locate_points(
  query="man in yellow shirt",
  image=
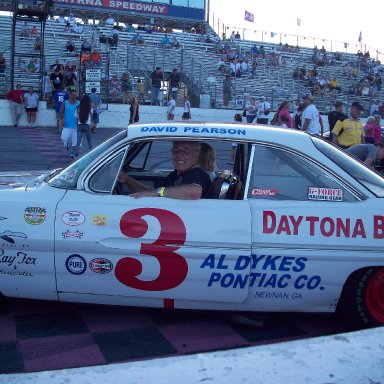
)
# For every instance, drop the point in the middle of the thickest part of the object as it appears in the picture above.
(350, 131)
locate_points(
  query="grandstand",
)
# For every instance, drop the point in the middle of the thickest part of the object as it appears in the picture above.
(195, 58)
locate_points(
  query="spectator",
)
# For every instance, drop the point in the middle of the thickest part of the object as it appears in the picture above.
(25, 31)
(166, 42)
(126, 87)
(138, 39)
(299, 115)
(237, 35)
(310, 118)
(368, 130)
(263, 109)
(377, 82)
(244, 66)
(70, 80)
(235, 68)
(317, 90)
(84, 124)
(334, 84)
(174, 83)
(134, 111)
(68, 28)
(31, 67)
(86, 46)
(155, 80)
(187, 109)
(130, 28)
(78, 28)
(22, 65)
(70, 45)
(377, 129)
(350, 131)
(171, 106)
(110, 21)
(262, 51)
(68, 123)
(34, 31)
(175, 43)
(251, 110)
(58, 98)
(37, 45)
(221, 65)
(374, 109)
(96, 108)
(253, 68)
(115, 87)
(114, 37)
(31, 102)
(335, 116)
(46, 87)
(16, 100)
(227, 90)
(71, 20)
(61, 19)
(283, 111)
(95, 59)
(57, 79)
(368, 153)
(3, 63)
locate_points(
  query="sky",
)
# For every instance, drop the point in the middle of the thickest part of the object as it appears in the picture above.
(338, 20)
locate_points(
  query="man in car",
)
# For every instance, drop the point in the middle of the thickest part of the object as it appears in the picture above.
(368, 153)
(188, 181)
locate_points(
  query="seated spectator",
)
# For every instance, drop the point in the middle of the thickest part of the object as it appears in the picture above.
(78, 28)
(130, 28)
(334, 84)
(166, 42)
(317, 90)
(85, 57)
(22, 65)
(138, 39)
(175, 43)
(70, 80)
(37, 45)
(34, 31)
(68, 28)
(377, 129)
(254, 50)
(86, 46)
(70, 45)
(110, 21)
(61, 20)
(115, 87)
(253, 68)
(377, 82)
(368, 130)
(374, 110)
(354, 71)
(149, 29)
(31, 67)
(235, 68)
(25, 31)
(262, 51)
(71, 20)
(221, 65)
(95, 59)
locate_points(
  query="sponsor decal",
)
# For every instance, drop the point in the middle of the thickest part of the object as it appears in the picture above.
(73, 218)
(72, 234)
(100, 265)
(99, 220)
(325, 194)
(8, 236)
(76, 264)
(196, 130)
(264, 192)
(34, 215)
(10, 263)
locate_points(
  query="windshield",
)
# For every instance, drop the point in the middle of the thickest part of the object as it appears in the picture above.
(67, 177)
(369, 179)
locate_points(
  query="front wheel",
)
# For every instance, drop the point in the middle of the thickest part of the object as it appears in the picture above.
(362, 300)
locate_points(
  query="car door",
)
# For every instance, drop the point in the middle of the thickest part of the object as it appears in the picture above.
(309, 231)
(150, 251)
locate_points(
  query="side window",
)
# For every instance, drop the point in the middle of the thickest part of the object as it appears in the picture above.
(278, 174)
(104, 178)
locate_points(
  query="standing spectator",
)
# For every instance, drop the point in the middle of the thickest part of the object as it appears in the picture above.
(141, 90)
(68, 28)
(368, 130)
(114, 37)
(227, 90)
(251, 110)
(34, 31)
(155, 81)
(3, 63)
(31, 102)
(58, 98)
(78, 28)
(263, 110)
(57, 79)
(83, 127)
(335, 116)
(110, 21)
(134, 111)
(126, 87)
(15, 98)
(374, 110)
(37, 45)
(71, 20)
(70, 45)
(350, 131)
(174, 84)
(46, 87)
(299, 115)
(68, 123)
(378, 82)
(95, 104)
(25, 31)
(86, 46)
(171, 106)
(283, 110)
(187, 109)
(310, 118)
(377, 129)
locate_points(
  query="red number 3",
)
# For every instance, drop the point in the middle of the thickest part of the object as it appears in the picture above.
(173, 267)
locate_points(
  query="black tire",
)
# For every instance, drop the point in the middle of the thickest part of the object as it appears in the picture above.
(362, 299)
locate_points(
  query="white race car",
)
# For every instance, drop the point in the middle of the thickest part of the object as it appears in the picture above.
(290, 224)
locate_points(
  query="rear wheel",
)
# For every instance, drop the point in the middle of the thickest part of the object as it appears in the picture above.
(362, 301)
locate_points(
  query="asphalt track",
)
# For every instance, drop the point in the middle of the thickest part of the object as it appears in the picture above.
(38, 335)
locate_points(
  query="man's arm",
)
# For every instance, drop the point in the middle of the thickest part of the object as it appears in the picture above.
(306, 124)
(183, 192)
(61, 116)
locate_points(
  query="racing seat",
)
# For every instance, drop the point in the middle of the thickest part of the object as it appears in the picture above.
(224, 187)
